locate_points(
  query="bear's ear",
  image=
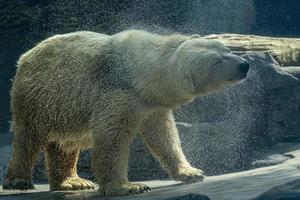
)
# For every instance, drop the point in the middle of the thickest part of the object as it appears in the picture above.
(194, 36)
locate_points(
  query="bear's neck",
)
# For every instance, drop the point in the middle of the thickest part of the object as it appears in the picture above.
(158, 81)
(148, 56)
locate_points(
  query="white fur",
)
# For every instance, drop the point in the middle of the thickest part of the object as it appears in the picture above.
(85, 89)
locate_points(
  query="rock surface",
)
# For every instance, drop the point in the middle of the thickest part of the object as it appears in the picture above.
(285, 50)
(287, 191)
(247, 185)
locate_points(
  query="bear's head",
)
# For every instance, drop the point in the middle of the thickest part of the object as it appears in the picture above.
(207, 66)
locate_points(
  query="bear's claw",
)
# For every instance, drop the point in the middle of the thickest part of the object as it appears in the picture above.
(75, 183)
(123, 189)
(189, 175)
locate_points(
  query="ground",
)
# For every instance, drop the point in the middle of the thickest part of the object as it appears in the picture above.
(244, 185)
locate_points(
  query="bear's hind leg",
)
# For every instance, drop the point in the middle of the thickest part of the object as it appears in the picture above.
(62, 170)
(25, 151)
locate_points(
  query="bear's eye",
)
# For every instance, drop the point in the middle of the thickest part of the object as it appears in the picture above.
(227, 50)
(219, 61)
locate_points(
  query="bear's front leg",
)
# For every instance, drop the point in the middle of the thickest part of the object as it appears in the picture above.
(113, 130)
(161, 137)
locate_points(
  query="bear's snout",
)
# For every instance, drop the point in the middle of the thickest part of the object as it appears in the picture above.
(244, 67)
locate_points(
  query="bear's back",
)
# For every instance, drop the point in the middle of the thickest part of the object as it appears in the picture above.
(55, 77)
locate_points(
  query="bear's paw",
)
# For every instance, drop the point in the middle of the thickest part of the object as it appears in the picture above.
(123, 189)
(18, 184)
(188, 174)
(75, 183)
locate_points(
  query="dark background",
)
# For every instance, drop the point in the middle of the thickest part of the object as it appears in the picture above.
(24, 23)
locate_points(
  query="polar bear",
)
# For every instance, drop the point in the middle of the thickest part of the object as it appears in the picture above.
(89, 90)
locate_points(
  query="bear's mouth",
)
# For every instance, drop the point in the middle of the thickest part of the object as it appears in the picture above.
(239, 77)
(234, 80)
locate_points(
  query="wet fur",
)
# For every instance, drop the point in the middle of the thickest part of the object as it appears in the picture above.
(89, 90)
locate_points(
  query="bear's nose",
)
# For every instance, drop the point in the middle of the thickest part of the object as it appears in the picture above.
(244, 67)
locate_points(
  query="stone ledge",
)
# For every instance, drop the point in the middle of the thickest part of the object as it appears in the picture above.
(244, 185)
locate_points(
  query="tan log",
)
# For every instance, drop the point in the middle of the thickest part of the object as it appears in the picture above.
(285, 50)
